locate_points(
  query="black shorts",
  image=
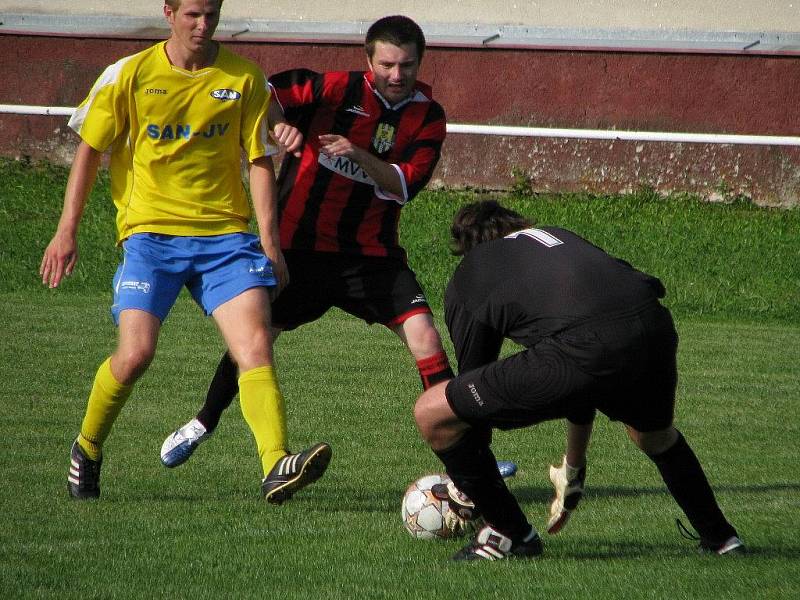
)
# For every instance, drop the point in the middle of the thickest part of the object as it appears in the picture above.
(374, 289)
(625, 367)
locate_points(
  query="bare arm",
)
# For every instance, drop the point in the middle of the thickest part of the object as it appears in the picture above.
(382, 173)
(61, 253)
(289, 137)
(265, 205)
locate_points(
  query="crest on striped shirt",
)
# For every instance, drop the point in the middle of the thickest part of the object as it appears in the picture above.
(384, 138)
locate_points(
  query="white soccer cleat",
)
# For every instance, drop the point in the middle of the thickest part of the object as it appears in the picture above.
(181, 444)
(490, 544)
(568, 485)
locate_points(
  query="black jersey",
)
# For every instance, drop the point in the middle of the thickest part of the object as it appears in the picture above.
(534, 284)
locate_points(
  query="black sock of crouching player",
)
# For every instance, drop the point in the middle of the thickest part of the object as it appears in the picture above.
(434, 369)
(687, 483)
(471, 465)
(223, 389)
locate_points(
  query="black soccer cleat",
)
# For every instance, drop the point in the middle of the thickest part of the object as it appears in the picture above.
(293, 472)
(732, 546)
(490, 544)
(83, 481)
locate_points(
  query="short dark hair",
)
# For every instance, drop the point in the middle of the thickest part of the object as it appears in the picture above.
(481, 222)
(397, 30)
(176, 4)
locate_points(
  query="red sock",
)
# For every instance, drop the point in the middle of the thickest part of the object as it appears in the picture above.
(434, 369)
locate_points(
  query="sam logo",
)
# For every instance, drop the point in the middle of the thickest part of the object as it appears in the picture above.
(225, 94)
(384, 138)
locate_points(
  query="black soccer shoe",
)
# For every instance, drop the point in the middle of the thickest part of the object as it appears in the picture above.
(490, 544)
(732, 546)
(83, 481)
(294, 472)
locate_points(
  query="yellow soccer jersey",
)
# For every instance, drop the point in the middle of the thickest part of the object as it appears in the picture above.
(176, 140)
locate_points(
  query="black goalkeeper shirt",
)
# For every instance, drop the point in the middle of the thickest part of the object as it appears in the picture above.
(534, 284)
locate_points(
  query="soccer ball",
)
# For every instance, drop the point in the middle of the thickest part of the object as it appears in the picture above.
(424, 514)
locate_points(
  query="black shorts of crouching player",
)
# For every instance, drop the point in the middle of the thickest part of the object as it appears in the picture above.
(374, 289)
(623, 365)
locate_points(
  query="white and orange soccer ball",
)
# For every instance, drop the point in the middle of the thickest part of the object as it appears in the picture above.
(424, 515)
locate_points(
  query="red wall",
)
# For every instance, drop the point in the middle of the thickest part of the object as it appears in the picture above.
(576, 89)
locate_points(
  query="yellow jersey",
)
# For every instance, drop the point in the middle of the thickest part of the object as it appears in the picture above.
(176, 140)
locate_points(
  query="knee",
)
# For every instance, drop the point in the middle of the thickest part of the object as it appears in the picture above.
(653, 443)
(422, 417)
(437, 423)
(129, 364)
(420, 335)
(253, 351)
(425, 416)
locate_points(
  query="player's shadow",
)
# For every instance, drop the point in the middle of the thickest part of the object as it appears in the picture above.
(534, 494)
(364, 500)
(606, 550)
(632, 549)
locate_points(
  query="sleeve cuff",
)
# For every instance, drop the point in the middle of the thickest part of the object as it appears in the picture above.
(384, 195)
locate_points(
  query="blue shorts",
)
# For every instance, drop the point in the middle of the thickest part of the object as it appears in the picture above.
(214, 269)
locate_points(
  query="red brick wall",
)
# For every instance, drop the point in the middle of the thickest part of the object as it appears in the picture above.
(575, 89)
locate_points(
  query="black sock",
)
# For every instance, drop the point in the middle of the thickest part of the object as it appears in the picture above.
(687, 483)
(223, 389)
(473, 468)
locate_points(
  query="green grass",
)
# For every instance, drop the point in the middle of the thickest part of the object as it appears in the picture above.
(716, 260)
(201, 530)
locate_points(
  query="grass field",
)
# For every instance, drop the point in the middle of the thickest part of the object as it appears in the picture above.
(200, 531)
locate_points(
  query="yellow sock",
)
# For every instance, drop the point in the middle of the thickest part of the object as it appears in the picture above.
(106, 399)
(262, 406)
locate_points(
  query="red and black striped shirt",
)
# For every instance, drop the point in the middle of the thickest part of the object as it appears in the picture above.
(331, 204)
